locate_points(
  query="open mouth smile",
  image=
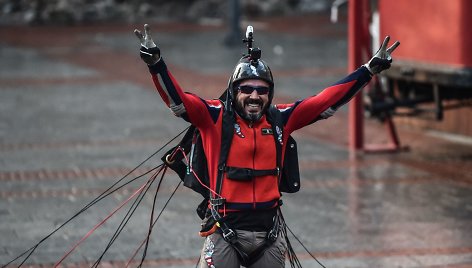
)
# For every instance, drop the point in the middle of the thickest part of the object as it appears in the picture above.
(253, 107)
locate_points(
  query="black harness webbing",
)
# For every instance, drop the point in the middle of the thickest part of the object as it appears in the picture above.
(275, 119)
(230, 235)
(289, 178)
(245, 174)
(227, 130)
(247, 259)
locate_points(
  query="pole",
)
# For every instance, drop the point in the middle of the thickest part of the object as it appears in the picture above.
(355, 36)
(234, 16)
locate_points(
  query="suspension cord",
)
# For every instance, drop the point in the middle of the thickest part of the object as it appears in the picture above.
(193, 171)
(89, 233)
(292, 256)
(294, 262)
(128, 216)
(155, 221)
(93, 202)
(104, 194)
(152, 218)
(299, 241)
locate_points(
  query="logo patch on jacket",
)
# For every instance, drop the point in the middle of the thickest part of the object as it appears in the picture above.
(267, 131)
(237, 129)
(279, 135)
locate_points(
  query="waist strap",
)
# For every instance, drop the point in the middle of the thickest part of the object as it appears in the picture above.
(249, 206)
(243, 174)
(230, 235)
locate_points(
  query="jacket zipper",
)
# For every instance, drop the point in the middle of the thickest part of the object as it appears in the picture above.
(253, 167)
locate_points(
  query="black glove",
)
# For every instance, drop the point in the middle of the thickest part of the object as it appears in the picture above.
(382, 58)
(149, 52)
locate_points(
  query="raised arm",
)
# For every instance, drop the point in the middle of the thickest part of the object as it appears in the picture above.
(188, 106)
(326, 103)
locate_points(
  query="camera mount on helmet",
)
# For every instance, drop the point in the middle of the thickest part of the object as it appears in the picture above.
(250, 66)
(253, 53)
(249, 38)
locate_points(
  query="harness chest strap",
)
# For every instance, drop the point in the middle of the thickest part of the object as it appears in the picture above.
(274, 117)
(239, 173)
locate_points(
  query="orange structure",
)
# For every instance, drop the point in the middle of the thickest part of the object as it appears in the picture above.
(432, 31)
(432, 73)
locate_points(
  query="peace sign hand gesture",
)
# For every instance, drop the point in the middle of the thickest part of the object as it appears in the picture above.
(149, 51)
(382, 58)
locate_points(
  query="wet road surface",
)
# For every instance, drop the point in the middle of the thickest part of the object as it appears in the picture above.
(79, 111)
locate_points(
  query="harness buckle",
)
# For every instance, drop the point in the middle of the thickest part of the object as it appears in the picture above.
(170, 159)
(229, 235)
(273, 234)
(216, 202)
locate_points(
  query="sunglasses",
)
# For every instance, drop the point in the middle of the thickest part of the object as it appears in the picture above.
(250, 89)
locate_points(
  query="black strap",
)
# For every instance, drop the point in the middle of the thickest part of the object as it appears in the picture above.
(273, 234)
(248, 259)
(227, 131)
(229, 235)
(275, 118)
(226, 139)
(244, 174)
(250, 206)
(289, 178)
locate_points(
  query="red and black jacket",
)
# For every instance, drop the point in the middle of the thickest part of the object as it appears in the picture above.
(252, 145)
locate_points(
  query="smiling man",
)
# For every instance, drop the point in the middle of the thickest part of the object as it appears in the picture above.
(252, 99)
(244, 138)
(253, 85)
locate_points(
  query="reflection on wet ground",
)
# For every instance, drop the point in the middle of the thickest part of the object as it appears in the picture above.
(78, 111)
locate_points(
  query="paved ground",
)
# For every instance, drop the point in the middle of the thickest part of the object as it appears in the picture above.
(78, 112)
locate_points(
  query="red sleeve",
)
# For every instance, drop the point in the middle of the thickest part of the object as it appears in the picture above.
(186, 105)
(323, 105)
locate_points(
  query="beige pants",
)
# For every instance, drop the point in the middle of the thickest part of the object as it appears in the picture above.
(217, 253)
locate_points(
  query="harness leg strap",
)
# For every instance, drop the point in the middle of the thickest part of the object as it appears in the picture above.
(248, 259)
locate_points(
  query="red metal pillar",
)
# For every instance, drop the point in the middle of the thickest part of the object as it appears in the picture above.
(355, 42)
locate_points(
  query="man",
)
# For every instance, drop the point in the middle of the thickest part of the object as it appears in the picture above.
(243, 181)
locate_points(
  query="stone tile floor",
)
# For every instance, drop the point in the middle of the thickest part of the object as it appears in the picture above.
(78, 112)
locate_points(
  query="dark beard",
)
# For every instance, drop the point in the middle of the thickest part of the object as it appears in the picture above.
(253, 117)
(248, 116)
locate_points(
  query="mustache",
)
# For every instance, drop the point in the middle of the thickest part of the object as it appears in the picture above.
(253, 101)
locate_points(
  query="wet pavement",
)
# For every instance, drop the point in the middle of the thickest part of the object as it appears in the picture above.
(79, 111)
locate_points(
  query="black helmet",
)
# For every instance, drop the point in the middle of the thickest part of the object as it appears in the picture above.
(251, 68)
